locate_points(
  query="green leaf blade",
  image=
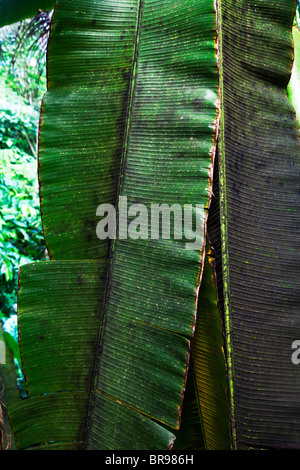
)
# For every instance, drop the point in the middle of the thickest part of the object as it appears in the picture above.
(259, 202)
(210, 363)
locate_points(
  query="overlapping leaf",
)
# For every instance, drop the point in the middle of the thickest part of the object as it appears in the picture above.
(259, 203)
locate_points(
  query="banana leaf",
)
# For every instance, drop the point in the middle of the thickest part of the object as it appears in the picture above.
(207, 352)
(205, 412)
(258, 206)
(105, 326)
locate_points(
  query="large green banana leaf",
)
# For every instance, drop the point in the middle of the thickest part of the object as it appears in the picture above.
(104, 328)
(258, 201)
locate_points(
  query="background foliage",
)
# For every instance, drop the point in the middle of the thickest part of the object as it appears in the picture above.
(22, 85)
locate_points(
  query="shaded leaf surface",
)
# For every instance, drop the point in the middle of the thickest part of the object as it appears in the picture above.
(259, 205)
(208, 358)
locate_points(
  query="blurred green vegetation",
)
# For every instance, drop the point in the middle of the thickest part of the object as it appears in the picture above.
(23, 57)
(22, 85)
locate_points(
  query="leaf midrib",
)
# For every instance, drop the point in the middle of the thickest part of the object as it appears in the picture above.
(123, 160)
(223, 226)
